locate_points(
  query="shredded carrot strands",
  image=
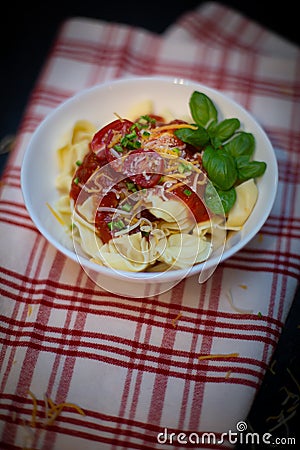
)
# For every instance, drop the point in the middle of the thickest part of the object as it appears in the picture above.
(221, 356)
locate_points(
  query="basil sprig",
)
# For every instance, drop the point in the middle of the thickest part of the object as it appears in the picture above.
(226, 151)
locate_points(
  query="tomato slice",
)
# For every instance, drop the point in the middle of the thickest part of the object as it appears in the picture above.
(105, 135)
(103, 218)
(144, 167)
(157, 120)
(193, 201)
(90, 164)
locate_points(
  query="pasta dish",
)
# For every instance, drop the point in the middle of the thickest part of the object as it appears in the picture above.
(145, 193)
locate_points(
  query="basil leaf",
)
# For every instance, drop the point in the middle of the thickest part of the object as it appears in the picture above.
(242, 144)
(202, 109)
(226, 129)
(228, 199)
(221, 169)
(211, 127)
(198, 137)
(249, 169)
(207, 154)
(218, 201)
(216, 142)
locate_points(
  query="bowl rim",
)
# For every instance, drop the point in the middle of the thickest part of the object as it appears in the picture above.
(144, 276)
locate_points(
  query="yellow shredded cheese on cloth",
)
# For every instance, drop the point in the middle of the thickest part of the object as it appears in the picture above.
(52, 410)
(174, 321)
(219, 356)
(55, 411)
(34, 409)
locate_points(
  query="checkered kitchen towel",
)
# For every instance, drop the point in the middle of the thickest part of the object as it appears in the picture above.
(127, 363)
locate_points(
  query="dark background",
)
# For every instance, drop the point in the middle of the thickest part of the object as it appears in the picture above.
(29, 27)
(27, 33)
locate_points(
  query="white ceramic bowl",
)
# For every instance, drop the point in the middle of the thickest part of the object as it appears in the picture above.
(98, 104)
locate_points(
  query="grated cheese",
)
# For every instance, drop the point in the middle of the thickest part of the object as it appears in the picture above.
(174, 321)
(118, 116)
(34, 409)
(174, 126)
(271, 368)
(176, 175)
(243, 286)
(56, 215)
(175, 185)
(166, 152)
(55, 411)
(260, 237)
(52, 410)
(221, 356)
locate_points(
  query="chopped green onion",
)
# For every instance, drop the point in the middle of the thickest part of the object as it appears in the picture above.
(137, 126)
(187, 192)
(131, 186)
(148, 119)
(116, 225)
(76, 180)
(129, 141)
(133, 126)
(144, 121)
(124, 141)
(132, 145)
(118, 148)
(184, 168)
(78, 163)
(136, 144)
(126, 207)
(131, 135)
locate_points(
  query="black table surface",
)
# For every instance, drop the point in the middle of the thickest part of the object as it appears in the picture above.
(27, 33)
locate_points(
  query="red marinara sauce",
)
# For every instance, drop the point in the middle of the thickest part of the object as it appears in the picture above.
(100, 154)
